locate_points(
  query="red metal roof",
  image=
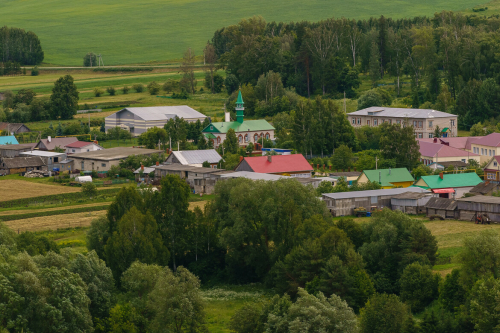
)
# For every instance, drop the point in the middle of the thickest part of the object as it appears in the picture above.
(432, 149)
(78, 144)
(279, 163)
(491, 140)
(444, 190)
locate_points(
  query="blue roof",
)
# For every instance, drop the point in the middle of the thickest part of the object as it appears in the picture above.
(8, 140)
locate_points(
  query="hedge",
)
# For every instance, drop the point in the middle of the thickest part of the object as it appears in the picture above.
(5, 218)
(54, 197)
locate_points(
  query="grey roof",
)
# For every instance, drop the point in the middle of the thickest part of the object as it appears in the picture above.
(373, 193)
(189, 168)
(146, 169)
(196, 156)
(383, 111)
(441, 203)
(116, 153)
(411, 195)
(21, 146)
(253, 175)
(165, 112)
(482, 199)
(22, 162)
(345, 174)
(483, 188)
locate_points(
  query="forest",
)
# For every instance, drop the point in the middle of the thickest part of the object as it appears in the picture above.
(450, 60)
(19, 46)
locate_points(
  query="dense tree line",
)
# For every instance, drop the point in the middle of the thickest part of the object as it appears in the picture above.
(447, 57)
(19, 46)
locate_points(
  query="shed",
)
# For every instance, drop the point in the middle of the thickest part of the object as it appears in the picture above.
(52, 159)
(22, 164)
(195, 157)
(411, 202)
(15, 128)
(14, 150)
(344, 203)
(446, 208)
(469, 207)
(486, 188)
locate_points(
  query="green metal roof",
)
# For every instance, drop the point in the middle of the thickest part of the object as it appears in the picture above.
(452, 180)
(240, 99)
(245, 126)
(209, 136)
(445, 130)
(389, 176)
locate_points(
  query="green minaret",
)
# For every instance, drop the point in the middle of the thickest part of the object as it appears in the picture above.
(239, 108)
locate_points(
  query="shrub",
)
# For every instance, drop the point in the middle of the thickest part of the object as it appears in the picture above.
(35, 71)
(170, 86)
(111, 90)
(182, 95)
(153, 88)
(125, 89)
(138, 87)
(89, 189)
(98, 92)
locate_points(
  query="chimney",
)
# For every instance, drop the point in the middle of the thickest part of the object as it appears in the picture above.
(48, 139)
(435, 140)
(241, 158)
(486, 182)
(389, 171)
(227, 116)
(441, 175)
(270, 159)
(142, 167)
(157, 163)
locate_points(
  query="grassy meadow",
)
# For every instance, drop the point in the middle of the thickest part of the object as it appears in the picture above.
(127, 32)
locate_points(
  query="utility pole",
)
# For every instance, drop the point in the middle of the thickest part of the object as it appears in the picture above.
(170, 138)
(376, 162)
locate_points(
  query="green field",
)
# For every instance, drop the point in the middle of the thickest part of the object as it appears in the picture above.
(129, 31)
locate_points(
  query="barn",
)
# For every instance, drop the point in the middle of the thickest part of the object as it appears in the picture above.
(469, 207)
(445, 208)
(411, 202)
(344, 203)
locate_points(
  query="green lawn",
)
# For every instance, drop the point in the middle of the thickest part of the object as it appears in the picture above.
(129, 31)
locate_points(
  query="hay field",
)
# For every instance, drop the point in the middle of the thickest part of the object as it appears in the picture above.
(55, 222)
(450, 234)
(25, 211)
(128, 31)
(18, 189)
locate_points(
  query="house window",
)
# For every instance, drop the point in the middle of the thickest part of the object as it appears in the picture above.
(218, 140)
(430, 123)
(482, 151)
(491, 176)
(72, 150)
(431, 135)
(240, 139)
(267, 136)
(83, 166)
(414, 123)
(452, 122)
(246, 137)
(211, 127)
(390, 121)
(463, 160)
(56, 159)
(490, 152)
(88, 149)
(495, 164)
(398, 122)
(420, 136)
(420, 124)
(255, 138)
(368, 122)
(354, 121)
(375, 122)
(103, 165)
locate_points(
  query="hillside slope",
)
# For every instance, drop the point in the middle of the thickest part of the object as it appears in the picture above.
(126, 31)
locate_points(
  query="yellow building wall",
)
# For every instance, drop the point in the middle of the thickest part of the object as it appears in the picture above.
(362, 179)
(403, 184)
(421, 182)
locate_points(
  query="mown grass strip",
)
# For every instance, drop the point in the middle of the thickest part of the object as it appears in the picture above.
(14, 217)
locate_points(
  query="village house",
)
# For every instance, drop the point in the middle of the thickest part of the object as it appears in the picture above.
(14, 150)
(344, 203)
(459, 142)
(195, 157)
(103, 160)
(246, 130)
(437, 153)
(8, 140)
(138, 120)
(492, 169)
(387, 178)
(14, 128)
(52, 159)
(424, 121)
(81, 147)
(487, 146)
(411, 202)
(449, 185)
(294, 165)
(14, 165)
(51, 143)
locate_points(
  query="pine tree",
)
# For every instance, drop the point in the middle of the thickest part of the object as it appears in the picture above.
(374, 64)
(59, 130)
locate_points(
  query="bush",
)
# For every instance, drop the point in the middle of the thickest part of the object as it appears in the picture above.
(170, 86)
(153, 88)
(89, 189)
(35, 71)
(138, 87)
(182, 95)
(111, 90)
(98, 92)
(125, 89)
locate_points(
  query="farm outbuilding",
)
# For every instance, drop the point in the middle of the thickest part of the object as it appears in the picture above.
(443, 207)
(22, 164)
(344, 203)
(14, 150)
(469, 207)
(411, 202)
